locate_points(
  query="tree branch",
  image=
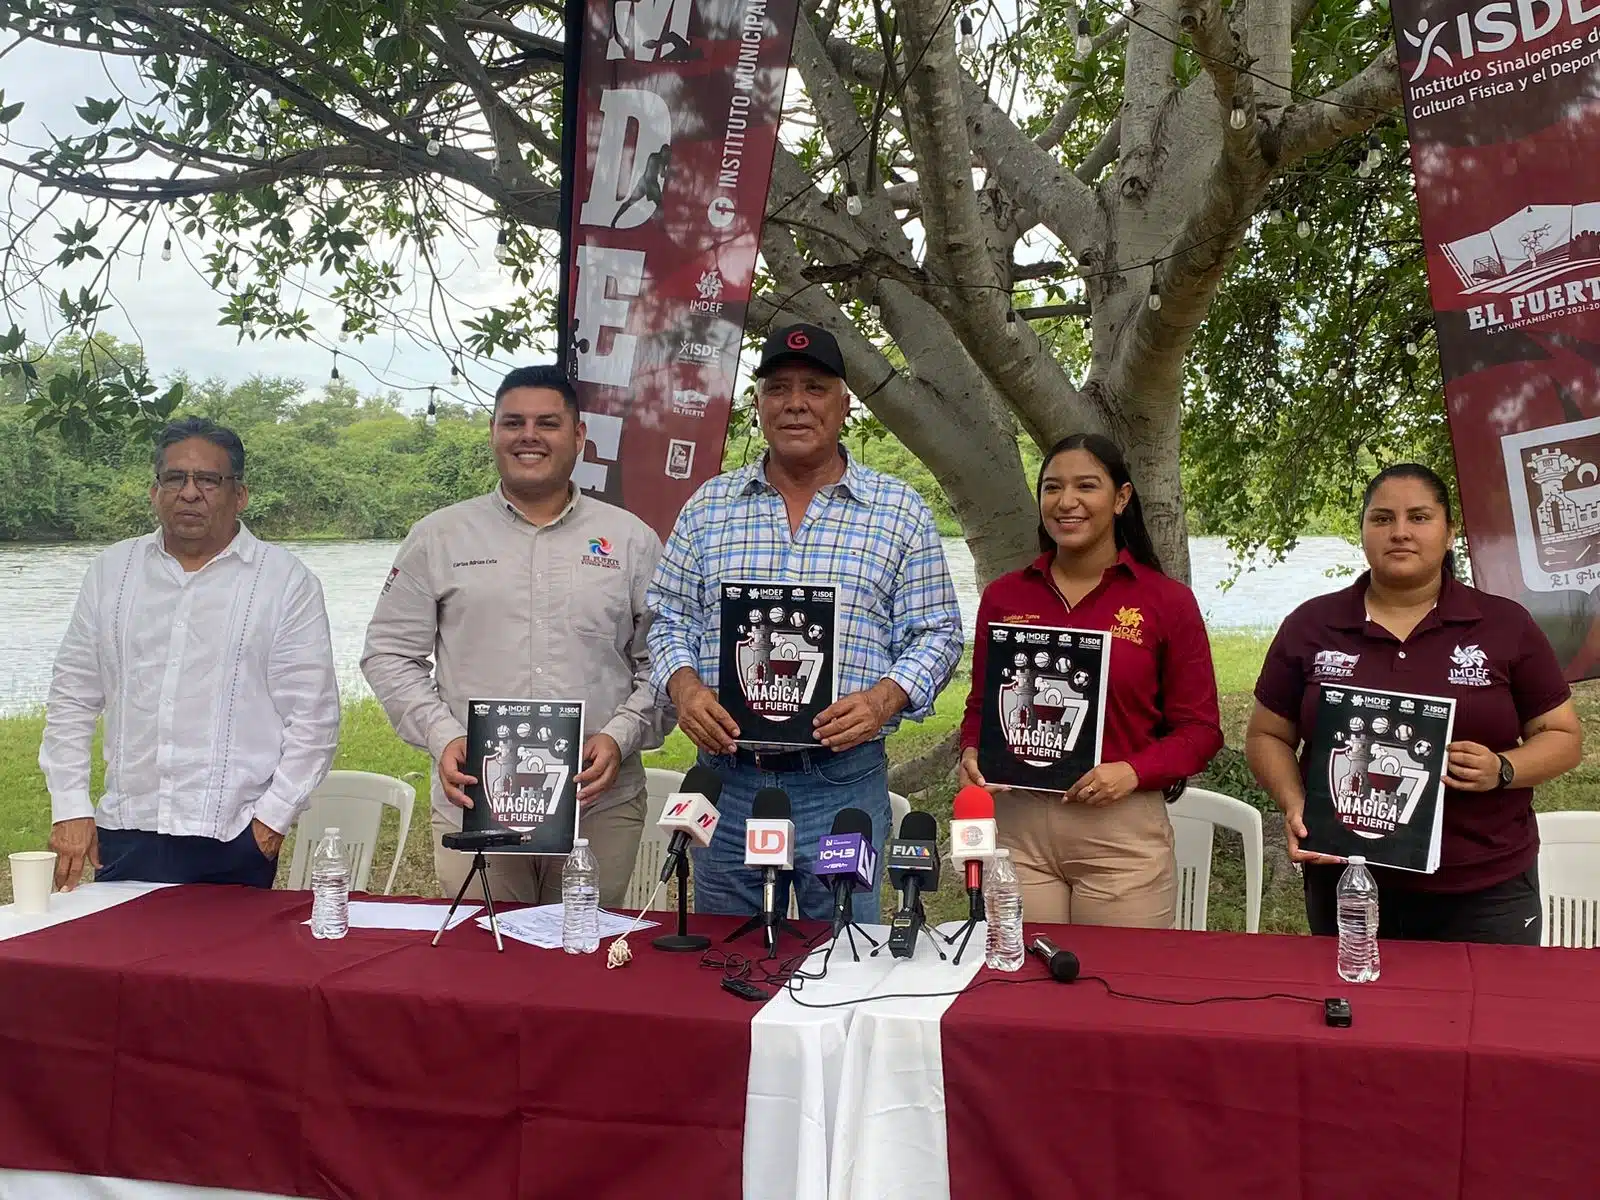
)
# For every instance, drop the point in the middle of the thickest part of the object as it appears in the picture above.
(1103, 155)
(1148, 89)
(1357, 104)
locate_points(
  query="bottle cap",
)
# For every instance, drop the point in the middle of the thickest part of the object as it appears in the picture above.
(1356, 860)
(1002, 853)
(576, 842)
(329, 830)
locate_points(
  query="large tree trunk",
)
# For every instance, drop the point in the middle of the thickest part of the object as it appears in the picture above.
(1152, 450)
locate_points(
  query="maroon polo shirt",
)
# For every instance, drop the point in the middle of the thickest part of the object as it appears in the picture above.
(1161, 699)
(1513, 677)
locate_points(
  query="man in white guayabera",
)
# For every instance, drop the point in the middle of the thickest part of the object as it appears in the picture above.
(207, 651)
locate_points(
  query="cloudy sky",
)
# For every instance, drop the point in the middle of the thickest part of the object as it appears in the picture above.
(169, 306)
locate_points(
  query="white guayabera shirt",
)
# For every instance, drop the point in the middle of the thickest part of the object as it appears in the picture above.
(218, 687)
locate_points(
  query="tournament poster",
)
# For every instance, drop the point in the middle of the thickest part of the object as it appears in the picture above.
(780, 660)
(1375, 767)
(1502, 103)
(526, 757)
(671, 115)
(1044, 703)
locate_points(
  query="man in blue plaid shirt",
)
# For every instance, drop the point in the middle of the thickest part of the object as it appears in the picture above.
(806, 514)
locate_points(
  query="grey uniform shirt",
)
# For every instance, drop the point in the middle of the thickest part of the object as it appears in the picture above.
(505, 608)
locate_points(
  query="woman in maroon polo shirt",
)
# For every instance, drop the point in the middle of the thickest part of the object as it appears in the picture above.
(1408, 625)
(1102, 853)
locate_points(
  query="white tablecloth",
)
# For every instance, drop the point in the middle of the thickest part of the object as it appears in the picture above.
(889, 1140)
(52, 1185)
(84, 899)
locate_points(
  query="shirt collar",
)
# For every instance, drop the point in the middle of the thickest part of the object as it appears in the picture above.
(514, 514)
(1126, 564)
(243, 545)
(856, 484)
(1457, 605)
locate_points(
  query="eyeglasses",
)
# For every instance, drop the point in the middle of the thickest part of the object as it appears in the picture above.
(176, 481)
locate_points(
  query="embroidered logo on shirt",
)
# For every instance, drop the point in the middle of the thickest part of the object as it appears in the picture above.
(600, 555)
(1471, 667)
(1129, 626)
(1334, 664)
(1019, 619)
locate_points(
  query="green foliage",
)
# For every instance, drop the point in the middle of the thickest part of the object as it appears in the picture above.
(339, 465)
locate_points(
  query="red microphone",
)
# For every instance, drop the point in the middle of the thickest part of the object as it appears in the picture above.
(972, 833)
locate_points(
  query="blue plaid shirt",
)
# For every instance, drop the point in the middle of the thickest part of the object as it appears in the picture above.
(869, 535)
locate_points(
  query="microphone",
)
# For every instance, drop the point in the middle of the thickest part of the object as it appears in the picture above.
(484, 839)
(913, 860)
(1063, 964)
(847, 859)
(972, 839)
(769, 844)
(691, 815)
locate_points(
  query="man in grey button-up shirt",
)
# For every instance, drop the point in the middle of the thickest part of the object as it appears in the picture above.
(537, 591)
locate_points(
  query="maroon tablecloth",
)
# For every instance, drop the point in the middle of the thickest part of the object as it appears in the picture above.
(202, 1036)
(1469, 1072)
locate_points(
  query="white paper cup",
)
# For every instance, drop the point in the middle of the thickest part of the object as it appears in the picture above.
(32, 874)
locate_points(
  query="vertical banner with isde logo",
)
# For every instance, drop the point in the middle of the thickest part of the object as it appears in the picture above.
(1503, 105)
(673, 118)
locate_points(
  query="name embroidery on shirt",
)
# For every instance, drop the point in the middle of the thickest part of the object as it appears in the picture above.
(475, 562)
(1129, 626)
(1471, 667)
(1019, 619)
(1334, 664)
(600, 555)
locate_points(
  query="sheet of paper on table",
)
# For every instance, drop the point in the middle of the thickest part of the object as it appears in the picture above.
(541, 926)
(422, 918)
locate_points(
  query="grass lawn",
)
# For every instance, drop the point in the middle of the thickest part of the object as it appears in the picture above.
(368, 744)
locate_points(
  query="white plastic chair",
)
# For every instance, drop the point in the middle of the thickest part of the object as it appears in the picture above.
(899, 806)
(659, 784)
(1569, 878)
(1195, 816)
(353, 802)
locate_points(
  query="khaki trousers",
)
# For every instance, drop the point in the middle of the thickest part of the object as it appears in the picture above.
(613, 834)
(1091, 866)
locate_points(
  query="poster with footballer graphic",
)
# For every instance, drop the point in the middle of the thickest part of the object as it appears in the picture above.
(1044, 703)
(780, 660)
(1375, 776)
(525, 754)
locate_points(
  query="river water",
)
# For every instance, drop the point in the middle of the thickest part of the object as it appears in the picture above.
(40, 584)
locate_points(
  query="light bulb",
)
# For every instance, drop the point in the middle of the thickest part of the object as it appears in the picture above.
(166, 250)
(433, 147)
(502, 249)
(1085, 44)
(333, 376)
(969, 41)
(1374, 151)
(1155, 299)
(1332, 376)
(875, 312)
(852, 204)
(1012, 324)
(1412, 349)
(1364, 168)
(1237, 118)
(232, 278)
(260, 151)
(1303, 229)
(430, 420)
(455, 375)
(1274, 215)
(344, 332)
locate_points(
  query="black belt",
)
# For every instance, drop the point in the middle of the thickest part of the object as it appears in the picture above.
(782, 762)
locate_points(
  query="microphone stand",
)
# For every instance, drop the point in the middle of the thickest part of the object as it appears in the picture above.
(682, 941)
(769, 920)
(921, 915)
(844, 923)
(975, 916)
(480, 870)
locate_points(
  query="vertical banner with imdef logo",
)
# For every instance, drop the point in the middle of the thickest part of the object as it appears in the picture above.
(677, 110)
(1501, 102)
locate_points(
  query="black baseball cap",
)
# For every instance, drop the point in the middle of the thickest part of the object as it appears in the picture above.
(801, 343)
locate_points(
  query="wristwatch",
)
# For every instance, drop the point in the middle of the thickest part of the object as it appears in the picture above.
(1507, 771)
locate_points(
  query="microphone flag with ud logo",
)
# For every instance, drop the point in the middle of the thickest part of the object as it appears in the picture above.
(780, 660)
(671, 112)
(1502, 104)
(1375, 765)
(1044, 705)
(525, 754)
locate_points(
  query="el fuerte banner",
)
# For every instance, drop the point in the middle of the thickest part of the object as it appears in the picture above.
(1502, 101)
(672, 118)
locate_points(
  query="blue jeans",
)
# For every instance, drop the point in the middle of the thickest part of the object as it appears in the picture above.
(173, 858)
(827, 782)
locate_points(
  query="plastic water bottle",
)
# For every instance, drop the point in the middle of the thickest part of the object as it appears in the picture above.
(1002, 910)
(1358, 923)
(580, 901)
(330, 886)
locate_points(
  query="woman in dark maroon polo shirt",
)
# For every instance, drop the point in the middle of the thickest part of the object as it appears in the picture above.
(1102, 853)
(1408, 625)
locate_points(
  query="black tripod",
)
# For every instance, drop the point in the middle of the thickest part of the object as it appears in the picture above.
(769, 920)
(975, 917)
(844, 923)
(480, 868)
(682, 941)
